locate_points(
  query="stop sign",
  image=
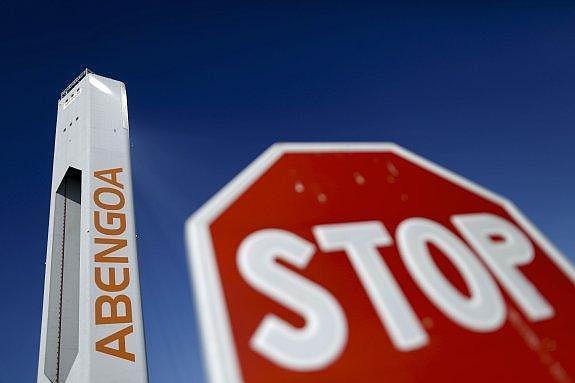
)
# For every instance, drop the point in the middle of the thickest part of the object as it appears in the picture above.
(367, 263)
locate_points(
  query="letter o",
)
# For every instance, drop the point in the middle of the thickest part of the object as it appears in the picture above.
(484, 311)
(101, 190)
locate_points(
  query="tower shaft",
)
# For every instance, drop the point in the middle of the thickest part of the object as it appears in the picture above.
(92, 329)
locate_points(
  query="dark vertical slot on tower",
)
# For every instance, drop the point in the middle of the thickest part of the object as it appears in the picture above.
(63, 310)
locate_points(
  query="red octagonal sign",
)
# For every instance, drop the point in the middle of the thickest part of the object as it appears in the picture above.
(367, 263)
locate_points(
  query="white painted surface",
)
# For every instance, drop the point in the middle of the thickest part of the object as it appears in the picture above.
(92, 134)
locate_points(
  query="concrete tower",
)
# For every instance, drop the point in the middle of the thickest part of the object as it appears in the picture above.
(92, 329)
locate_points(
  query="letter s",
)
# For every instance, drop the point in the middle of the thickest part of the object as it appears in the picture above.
(324, 335)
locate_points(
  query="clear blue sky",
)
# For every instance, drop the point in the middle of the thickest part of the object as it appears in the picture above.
(483, 89)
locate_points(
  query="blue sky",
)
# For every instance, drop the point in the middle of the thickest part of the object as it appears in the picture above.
(484, 89)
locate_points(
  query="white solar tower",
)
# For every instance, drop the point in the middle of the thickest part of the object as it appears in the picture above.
(92, 329)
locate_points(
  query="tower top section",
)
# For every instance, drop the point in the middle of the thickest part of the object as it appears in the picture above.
(79, 78)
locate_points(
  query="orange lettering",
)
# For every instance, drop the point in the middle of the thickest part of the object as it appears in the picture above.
(113, 180)
(109, 310)
(110, 217)
(117, 244)
(106, 206)
(120, 337)
(113, 303)
(112, 286)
